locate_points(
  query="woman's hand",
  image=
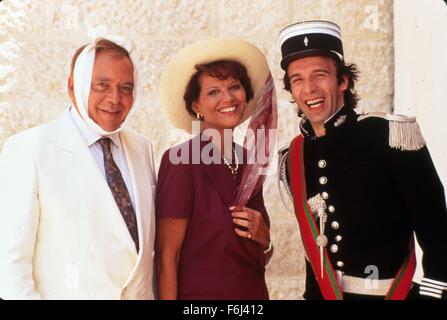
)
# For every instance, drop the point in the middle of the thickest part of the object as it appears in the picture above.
(256, 228)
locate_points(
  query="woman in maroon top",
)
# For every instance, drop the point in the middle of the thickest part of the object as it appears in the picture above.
(206, 247)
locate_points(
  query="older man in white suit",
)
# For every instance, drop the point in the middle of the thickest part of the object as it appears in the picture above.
(76, 194)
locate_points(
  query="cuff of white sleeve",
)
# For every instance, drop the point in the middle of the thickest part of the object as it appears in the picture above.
(432, 288)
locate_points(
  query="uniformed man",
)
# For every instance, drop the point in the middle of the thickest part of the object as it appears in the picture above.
(361, 185)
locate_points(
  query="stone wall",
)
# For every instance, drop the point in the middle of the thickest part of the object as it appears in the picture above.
(38, 38)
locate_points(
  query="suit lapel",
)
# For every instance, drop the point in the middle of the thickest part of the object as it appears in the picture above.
(95, 193)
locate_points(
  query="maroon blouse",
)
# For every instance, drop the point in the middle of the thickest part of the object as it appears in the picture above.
(215, 263)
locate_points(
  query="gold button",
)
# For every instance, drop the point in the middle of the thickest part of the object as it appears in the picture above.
(334, 248)
(340, 264)
(335, 225)
(322, 180)
(325, 195)
(338, 238)
(331, 209)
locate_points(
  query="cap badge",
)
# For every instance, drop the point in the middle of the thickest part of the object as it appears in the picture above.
(306, 41)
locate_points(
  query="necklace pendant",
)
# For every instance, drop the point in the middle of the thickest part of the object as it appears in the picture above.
(233, 170)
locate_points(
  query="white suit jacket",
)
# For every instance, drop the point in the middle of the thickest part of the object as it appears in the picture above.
(62, 235)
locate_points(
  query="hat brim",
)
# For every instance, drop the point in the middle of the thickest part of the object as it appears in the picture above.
(179, 70)
(308, 53)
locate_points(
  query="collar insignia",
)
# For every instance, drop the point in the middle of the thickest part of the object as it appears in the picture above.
(340, 121)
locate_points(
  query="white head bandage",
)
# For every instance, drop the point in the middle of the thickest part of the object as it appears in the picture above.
(82, 79)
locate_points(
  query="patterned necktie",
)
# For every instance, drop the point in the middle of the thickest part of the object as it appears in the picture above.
(119, 190)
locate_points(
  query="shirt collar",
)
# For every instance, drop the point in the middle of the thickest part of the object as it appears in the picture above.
(90, 136)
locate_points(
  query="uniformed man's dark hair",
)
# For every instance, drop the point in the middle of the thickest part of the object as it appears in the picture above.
(343, 69)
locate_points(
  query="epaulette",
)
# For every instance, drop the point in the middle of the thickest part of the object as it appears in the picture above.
(282, 180)
(405, 133)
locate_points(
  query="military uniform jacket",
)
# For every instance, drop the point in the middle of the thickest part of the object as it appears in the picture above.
(376, 197)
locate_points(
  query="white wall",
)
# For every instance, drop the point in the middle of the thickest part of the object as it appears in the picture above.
(421, 70)
(420, 51)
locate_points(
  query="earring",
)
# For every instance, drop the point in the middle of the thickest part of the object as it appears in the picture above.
(199, 116)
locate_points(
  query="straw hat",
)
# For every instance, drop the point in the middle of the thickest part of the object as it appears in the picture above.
(178, 72)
